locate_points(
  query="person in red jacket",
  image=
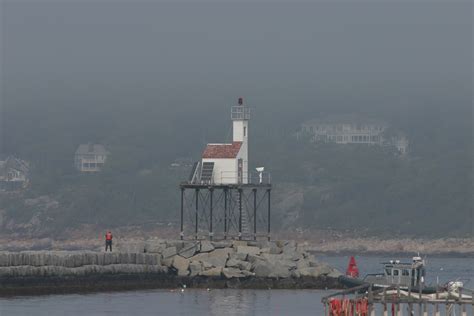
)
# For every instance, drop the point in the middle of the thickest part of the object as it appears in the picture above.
(108, 241)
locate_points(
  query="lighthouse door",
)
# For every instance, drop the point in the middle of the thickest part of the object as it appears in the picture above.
(240, 170)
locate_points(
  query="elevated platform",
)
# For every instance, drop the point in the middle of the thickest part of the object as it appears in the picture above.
(225, 210)
(236, 186)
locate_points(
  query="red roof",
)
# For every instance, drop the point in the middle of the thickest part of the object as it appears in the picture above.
(222, 150)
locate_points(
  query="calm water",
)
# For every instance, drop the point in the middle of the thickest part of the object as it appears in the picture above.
(217, 302)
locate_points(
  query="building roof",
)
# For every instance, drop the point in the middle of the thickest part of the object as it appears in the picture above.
(13, 163)
(222, 150)
(96, 149)
(345, 119)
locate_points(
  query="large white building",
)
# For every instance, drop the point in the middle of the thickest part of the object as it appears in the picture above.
(227, 163)
(351, 130)
(90, 157)
(344, 131)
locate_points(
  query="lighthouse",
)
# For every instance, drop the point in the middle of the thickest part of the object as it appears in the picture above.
(228, 163)
(222, 198)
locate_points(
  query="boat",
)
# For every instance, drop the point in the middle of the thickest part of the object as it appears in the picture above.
(409, 276)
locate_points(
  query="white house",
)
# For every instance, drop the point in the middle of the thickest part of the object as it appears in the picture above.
(90, 157)
(352, 130)
(227, 163)
(345, 130)
(14, 173)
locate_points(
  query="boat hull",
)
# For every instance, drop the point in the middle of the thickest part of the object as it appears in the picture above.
(356, 282)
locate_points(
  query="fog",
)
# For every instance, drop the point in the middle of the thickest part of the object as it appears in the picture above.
(159, 76)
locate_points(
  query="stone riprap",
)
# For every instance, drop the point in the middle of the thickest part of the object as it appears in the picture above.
(168, 263)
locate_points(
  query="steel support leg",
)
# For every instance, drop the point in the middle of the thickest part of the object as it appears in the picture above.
(181, 234)
(211, 232)
(254, 214)
(225, 213)
(240, 214)
(269, 211)
(196, 214)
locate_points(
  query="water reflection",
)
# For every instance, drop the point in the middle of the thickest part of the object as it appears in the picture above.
(233, 302)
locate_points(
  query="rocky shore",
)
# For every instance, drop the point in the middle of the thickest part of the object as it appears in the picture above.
(463, 247)
(165, 264)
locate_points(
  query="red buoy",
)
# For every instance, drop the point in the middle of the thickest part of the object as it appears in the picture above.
(352, 269)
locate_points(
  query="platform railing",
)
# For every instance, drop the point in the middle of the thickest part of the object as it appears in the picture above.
(254, 178)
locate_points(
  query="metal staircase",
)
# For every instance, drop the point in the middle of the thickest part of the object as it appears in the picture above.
(206, 172)
(246, 231)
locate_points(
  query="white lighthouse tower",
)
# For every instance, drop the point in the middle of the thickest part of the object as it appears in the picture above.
(240, 115)
(227, 163)
(222, 188)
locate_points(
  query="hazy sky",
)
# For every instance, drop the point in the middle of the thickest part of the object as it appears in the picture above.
(275, 54)
(234, 43)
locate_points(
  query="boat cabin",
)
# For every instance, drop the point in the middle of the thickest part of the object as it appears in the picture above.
(409, 275)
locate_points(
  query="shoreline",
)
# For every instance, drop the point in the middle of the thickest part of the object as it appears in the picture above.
(16, 287)
(319, 241)
(460, 255)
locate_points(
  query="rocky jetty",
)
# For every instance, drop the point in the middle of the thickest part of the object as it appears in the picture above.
(166, 264)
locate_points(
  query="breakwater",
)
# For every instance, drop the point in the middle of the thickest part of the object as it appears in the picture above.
(165, 264)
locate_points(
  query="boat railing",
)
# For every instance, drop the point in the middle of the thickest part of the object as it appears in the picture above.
(379, 298)
(373, 275)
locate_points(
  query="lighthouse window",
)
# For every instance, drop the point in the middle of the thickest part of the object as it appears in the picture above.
(388, 271)
(395, 272)
(405, 272)
(245, 131)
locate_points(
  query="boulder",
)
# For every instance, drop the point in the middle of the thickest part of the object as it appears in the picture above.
(169, 252)
(155, 246)
(232, 273)
(178, 244)
(280, 243)
(239, 256)
(295, 274)
(322, 269)
(302, 263)
(181, 265)
(271, 270)
(167, 262)
(262, 269)
(249, 250)
(275, 250)
(334, 273)
(195, 267)
(292, 255)
(247, 273)
(222, 244)
(232, 263)
(260, 243)
(290, 245)
(236, 243)
(189, 251)
(254, 258)
(206, 265)
(216, 258)
(314, 263)
(242, 265)
(206, 246)
(213, 272)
